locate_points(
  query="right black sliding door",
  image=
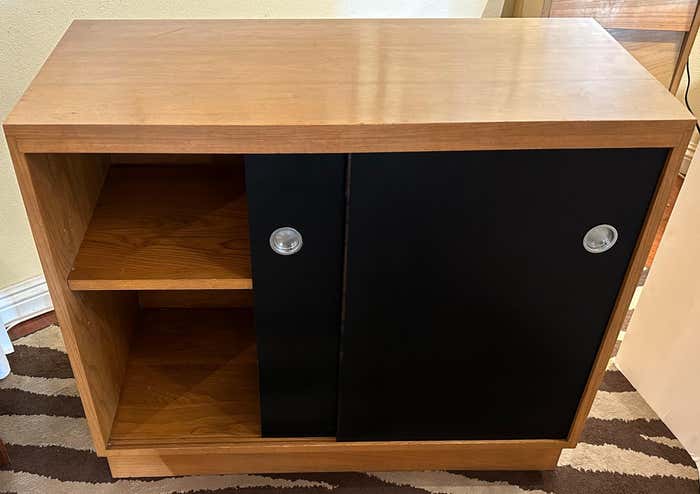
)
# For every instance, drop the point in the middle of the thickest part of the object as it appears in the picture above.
(474, 306)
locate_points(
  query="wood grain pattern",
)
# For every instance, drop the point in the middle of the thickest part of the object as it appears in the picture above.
(196, 299)
(327, 456)
(170, 227)
(657, 51)
(172, 159)
(191, 377)
(4, 456)
(644, 243)
(59, 193)
(340, 86)
(530, 8)
(666, 15)
(32, 325)
(688, 42)
(670, 204)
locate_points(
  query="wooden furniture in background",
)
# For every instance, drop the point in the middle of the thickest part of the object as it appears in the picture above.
(32, 325)
(4, 457)
(658, 33)
(166, 369)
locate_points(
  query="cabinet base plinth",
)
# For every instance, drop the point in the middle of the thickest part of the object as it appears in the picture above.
(338, 457)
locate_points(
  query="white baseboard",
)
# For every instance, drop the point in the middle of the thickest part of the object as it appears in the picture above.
(24, 300)
(689, 153)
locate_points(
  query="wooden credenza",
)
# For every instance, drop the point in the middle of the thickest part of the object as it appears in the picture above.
(327, 245)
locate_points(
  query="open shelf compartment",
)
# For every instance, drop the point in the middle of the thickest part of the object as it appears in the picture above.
(167, 245)
(191, 378)
(178, 224)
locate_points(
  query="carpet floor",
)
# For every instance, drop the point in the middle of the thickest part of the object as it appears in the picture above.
(624, 449)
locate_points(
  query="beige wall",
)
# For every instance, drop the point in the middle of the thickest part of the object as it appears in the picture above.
(694, 95)
(30, 29)
(18, 259)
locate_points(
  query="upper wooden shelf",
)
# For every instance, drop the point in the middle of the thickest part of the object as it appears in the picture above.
(344, 85)
(167, 228)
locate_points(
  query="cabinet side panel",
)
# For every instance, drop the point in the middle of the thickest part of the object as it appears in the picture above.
(473, 310)
(60, 192)
(297, 297)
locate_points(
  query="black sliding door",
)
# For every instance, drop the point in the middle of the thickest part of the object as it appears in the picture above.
(297, 291)
(473, 310)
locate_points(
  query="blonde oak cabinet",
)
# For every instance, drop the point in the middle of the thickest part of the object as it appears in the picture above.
(326, 245)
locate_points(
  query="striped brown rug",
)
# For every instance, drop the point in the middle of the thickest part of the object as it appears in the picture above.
(624, 449)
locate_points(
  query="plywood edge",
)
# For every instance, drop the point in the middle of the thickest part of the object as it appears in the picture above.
(328, 445)
(212, 445)
(87, 284)
(448, 136)
(336, 457)
(644, 243)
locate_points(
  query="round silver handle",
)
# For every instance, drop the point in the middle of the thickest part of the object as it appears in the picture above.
(286, 241)
(600, 238)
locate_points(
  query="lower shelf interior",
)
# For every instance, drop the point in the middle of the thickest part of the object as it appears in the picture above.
(191, 378)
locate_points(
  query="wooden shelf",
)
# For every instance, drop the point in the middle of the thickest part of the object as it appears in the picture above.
(191, 378)
(167, 228)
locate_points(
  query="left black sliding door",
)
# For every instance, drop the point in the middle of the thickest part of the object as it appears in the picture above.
(297, 222)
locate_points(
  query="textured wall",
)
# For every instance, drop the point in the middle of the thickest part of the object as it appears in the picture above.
(29, 29)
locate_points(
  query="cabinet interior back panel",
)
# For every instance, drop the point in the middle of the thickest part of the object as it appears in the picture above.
(472, 309)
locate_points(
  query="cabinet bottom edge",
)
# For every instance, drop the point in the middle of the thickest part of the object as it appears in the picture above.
(534, 455)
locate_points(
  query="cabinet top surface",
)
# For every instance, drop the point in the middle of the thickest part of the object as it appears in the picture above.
(334, 74)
